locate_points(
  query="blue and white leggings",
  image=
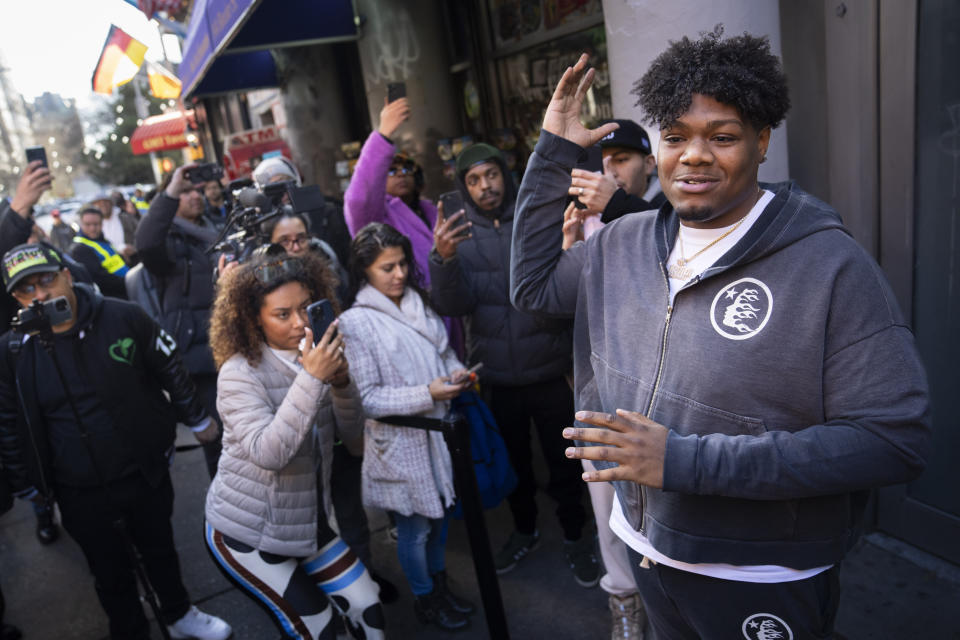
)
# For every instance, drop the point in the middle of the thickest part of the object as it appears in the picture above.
(298, 592)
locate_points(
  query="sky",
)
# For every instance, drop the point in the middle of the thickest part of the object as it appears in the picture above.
(54, 45)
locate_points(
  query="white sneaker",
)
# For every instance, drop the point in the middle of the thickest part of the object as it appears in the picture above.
(200, 626)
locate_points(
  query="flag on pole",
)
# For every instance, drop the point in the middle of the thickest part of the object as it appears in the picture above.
(119, 61)
(163, 84)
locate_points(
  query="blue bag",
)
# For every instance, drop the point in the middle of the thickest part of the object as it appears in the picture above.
(496, 478)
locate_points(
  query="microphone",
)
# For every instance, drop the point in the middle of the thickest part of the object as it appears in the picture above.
(250, 197)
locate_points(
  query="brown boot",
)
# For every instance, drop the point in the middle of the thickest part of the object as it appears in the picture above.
(629, 617)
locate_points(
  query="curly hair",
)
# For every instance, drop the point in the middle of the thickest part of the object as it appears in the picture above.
(739, 71)
(234, 322)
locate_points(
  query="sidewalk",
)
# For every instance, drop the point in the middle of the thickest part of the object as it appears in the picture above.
(50, 594)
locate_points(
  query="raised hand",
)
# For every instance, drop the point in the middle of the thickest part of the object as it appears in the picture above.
(562, 117)
(448, 232)
(34, 181)
(638, 446)
(392, 116)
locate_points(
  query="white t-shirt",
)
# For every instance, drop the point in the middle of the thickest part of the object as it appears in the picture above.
(694, 240)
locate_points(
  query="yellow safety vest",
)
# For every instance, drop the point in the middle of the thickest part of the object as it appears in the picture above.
(109, 260)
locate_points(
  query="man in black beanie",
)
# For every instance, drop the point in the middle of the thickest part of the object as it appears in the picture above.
(524, 358)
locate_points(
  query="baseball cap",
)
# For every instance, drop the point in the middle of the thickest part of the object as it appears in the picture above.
(630, 135)
(27, 259)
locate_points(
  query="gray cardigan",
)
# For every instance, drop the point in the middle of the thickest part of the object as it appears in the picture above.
(265, 490)
(786, 375)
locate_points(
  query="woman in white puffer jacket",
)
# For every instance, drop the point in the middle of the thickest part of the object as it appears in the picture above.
(281, 399)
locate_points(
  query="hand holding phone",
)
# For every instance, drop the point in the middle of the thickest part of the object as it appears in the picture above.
(470, 375)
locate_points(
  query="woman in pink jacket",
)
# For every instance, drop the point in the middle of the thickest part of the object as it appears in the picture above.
(386, 187)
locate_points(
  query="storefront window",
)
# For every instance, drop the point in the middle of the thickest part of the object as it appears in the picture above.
(529, 78)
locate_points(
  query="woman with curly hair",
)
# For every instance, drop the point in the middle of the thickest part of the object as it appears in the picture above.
(281, 398)
(404, 365)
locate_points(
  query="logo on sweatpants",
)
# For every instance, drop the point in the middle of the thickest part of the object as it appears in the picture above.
(741, 309)
(766, 626)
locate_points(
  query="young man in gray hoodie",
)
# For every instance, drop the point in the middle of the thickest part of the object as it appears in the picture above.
(740, 358)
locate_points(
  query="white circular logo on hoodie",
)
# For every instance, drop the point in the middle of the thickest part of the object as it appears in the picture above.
(741, 309)
(766, 626)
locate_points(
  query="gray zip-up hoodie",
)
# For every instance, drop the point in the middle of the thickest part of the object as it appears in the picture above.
(785, 372)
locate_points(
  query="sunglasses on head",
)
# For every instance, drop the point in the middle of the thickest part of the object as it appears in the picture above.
(277, 269)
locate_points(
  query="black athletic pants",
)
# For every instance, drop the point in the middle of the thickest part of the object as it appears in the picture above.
(550, 405)
(146, 510)
(207, 394)
(688, 606)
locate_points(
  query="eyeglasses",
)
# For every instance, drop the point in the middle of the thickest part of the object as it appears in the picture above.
(271, 271)
(44, 281)
(289, 241)
(400, 171)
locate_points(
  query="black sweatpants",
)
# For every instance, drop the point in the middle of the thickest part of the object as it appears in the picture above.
(550, 405)
(146, 511)
(687, 606)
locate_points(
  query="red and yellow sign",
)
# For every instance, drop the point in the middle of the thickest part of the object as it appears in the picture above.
(160, 133)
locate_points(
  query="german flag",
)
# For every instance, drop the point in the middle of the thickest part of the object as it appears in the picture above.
(119, 61)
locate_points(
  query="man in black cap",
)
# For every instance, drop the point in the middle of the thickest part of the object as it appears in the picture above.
(99, 444)
(524, 358)
(629, 180)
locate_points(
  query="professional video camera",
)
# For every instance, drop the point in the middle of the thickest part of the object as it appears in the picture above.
(40, 317)
(243, 234)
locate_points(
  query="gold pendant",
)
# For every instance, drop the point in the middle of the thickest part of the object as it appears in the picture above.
(679, 272)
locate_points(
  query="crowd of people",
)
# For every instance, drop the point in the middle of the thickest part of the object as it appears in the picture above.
(716, 357)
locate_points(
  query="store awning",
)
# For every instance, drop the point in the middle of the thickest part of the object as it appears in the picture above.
(160, 133)
(228, 41)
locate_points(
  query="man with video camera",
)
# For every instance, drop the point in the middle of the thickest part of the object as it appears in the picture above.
(172, 241)
(97, 434)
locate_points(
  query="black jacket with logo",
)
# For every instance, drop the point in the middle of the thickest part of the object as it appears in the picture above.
(129, 360)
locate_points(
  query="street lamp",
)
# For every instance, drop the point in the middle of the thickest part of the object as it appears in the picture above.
(119, 108)
(125, 139)
(51, 140)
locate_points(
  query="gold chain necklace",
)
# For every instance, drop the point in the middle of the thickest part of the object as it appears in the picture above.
(680, 270)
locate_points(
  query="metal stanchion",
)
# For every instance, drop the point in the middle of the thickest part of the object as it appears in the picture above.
(456, 433)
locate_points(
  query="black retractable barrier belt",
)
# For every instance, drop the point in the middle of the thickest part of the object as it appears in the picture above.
(456, 433)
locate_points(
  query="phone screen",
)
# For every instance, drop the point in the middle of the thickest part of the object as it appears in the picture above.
(320, 314)
(452, 203)
(396, 90)
(36, 153)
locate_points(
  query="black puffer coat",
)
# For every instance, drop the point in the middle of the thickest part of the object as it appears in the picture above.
(175, 254)
(515, 348)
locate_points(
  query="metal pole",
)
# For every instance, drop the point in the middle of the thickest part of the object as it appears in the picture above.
(143, 112)
(456, 432)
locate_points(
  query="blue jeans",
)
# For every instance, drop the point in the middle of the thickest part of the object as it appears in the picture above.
(421, 543)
